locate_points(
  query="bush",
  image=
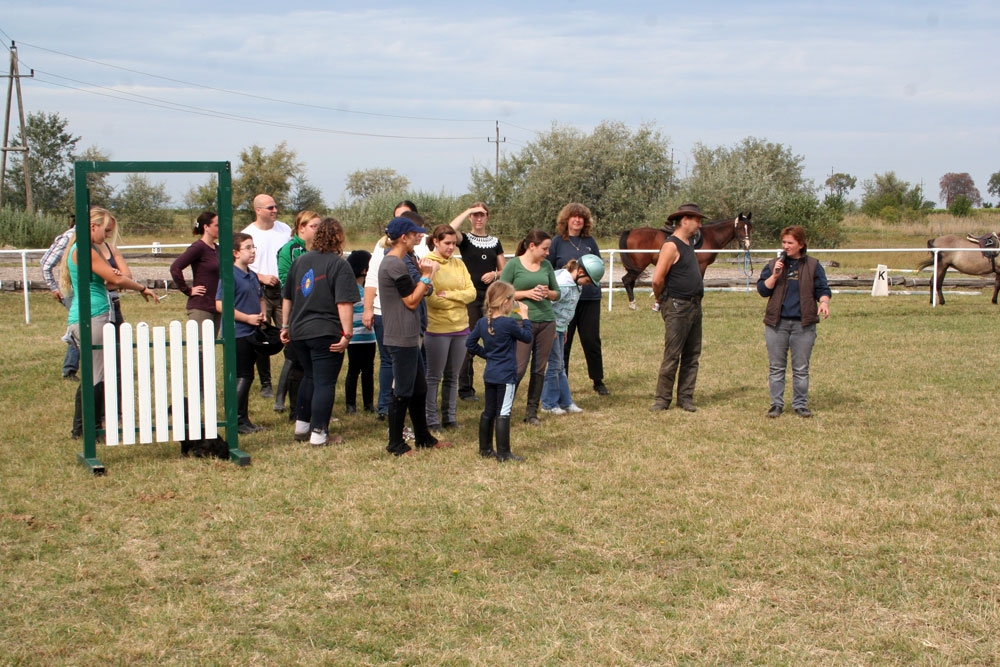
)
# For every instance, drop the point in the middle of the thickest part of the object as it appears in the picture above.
(29, 230)
(370, 215)
(960, 206)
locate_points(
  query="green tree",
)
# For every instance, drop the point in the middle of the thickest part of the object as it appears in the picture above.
(959, 185)
(102, 193)
(364, 183)
(893, 199)
(993, 187)
(306, 197)
(764, 178)
(50, 158)
(260, 172)
(204, 197)
(143, 205)
(840, 184)
(620, 173)
(960, 206)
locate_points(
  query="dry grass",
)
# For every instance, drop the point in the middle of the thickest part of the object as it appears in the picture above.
(867, 535)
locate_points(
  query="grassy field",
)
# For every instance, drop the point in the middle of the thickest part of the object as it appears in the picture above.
(869, 534)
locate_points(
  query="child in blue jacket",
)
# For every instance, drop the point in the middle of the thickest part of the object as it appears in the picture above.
(500, 334)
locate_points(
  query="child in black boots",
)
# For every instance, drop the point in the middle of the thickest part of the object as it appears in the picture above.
(500, 334)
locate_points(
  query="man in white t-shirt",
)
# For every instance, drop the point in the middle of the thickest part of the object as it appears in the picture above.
(269, 235)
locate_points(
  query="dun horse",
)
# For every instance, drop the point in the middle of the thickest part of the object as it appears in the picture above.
(714, 235)
(969, 263)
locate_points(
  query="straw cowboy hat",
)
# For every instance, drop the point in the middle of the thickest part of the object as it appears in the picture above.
(684, 210)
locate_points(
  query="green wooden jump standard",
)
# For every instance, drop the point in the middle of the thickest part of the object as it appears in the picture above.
(88, 456)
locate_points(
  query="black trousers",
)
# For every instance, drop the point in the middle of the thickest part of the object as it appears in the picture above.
(587, 321)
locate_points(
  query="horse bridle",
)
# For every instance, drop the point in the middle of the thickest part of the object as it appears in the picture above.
(747, 257)
(746, 227)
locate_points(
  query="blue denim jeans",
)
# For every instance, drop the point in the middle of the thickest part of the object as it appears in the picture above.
(555, 392)
(321, 368)
(789, 335)
(71, 362)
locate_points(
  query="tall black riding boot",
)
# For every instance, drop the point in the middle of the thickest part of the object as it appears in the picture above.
(100, 419)
(503, 441)
(418, 417)
(397, 418)
(244, 425)
(279, 395)
(78, 413)
(535, 385)
(486, 437)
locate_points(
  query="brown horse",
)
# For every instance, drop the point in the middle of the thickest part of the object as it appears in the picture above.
(969, 263)
(714, 235)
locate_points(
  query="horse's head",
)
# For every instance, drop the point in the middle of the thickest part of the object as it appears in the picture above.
(742, 228)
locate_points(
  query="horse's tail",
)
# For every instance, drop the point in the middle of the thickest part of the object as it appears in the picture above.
(930, 260)
(626, 258)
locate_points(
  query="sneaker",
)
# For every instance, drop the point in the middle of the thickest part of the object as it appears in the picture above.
(471, 398)
(554, 411)
(573, 408)
(533, 421)
(805, 413)
(658, 407)
(71, 376)
(688, 407)
(774, 412)
(302, 431)
(449, 426)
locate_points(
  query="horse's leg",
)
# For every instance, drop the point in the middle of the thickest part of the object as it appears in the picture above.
(996, 288)
(628, 281)
(939, 282)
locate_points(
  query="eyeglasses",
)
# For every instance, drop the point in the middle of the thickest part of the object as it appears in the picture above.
(269, 208)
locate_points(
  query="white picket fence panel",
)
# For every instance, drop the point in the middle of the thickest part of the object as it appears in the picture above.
(151, 385)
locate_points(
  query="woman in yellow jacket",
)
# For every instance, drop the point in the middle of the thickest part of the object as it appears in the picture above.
(447, 326)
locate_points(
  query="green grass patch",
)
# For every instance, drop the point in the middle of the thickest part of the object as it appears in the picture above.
(868, 534)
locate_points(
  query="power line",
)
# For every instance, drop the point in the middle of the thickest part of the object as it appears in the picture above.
(520, 128)
(258, 97)
(199, 111)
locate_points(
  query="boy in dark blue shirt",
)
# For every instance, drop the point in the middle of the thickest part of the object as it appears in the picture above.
(249, 315)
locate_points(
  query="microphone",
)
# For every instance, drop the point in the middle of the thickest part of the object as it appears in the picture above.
(783, 257)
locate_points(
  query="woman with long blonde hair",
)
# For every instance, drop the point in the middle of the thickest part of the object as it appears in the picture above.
(102, 275)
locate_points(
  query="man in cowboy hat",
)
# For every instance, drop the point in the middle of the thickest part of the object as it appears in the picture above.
(678, 288)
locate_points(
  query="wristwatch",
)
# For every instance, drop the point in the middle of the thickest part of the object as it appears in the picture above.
(425, 280)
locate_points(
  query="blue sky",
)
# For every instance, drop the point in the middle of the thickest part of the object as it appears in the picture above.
(856, 87)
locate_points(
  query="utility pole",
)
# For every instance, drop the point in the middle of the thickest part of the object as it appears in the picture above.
(497, 141)
(12, 84)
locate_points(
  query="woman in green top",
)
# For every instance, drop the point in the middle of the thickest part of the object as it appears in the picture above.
(102, 275)
(534, 282)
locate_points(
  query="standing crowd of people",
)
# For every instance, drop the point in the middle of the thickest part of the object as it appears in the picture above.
(431, 314)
